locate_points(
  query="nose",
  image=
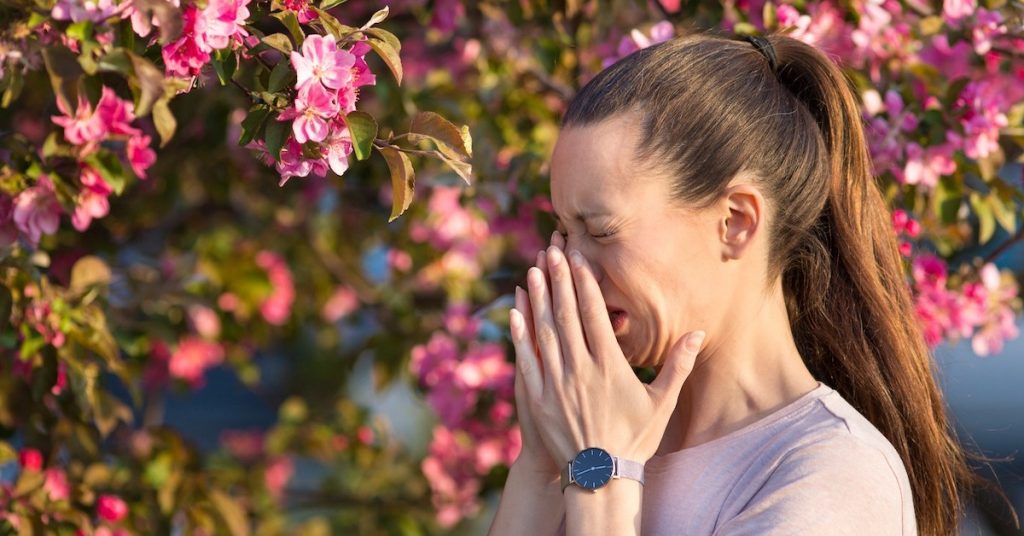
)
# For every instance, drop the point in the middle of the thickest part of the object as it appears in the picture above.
(586, 250)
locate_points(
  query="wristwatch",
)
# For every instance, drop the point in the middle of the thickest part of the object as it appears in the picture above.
(593, 467)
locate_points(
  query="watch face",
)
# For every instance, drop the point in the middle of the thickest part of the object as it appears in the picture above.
(592, 468)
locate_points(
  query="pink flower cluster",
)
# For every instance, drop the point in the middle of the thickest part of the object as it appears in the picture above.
(636, 40)
(192, 357)
(982, 310)
(459, 232)
(455, 370)
(326, 89)
(220, 25)
(32, 213)
(276, 307)
(904, 225)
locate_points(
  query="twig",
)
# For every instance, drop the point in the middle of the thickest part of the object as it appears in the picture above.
(1005, 246)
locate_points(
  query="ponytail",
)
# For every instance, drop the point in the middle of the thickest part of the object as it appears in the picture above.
(851, 309)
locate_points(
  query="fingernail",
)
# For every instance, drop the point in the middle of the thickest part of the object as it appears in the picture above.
(693, 341)
(515, 322)
(554, 236)
(554, 256)
(575, 258)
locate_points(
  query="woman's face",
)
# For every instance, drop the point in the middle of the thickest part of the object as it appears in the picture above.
(655, 261)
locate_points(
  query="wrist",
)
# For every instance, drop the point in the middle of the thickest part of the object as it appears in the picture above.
(536, 471)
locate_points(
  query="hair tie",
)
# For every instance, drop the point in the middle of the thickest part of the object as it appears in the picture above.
(765, 47)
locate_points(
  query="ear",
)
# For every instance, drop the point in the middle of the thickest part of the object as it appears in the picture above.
(744, 207)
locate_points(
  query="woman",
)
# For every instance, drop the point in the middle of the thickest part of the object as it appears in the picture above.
(723, 187)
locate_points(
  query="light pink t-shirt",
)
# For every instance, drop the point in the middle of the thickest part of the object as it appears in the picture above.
(816, 466)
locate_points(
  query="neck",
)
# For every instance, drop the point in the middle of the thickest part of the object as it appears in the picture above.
(749, 369)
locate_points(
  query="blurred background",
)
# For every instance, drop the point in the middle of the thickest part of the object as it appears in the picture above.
(236, 311)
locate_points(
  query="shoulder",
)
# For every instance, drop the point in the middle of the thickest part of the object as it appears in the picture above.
(842, 476)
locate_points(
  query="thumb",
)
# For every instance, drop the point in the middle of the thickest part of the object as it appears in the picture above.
(678, 365)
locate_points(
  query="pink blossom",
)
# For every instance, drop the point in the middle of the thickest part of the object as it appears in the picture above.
(223, 21)
(116, 113)
(313, 106)
(338, 146)
(276, 308)
(955, 11)
(82, 10)
(83, 127)
(445, 15)
(40, 315)
(140, 155)
(927, 166)
(636, 40)
(91, 201)
(302, 9)
(365, 434)
(342, 302)
(111, 508)
(204, 321)
(277, 475)
(56, 485)
(292, 163)
(37, 211)
(459, 321)
(450, 470)
(187, 55)
(982, 119)
(246, 445)
(61, 382)
(192, 357)
(30, 459)
(8, 228)
(321, 61)
(988, 25)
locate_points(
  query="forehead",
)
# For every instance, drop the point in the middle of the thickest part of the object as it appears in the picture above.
(593, 167)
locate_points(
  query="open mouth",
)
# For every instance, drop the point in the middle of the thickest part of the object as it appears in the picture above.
(618, 319)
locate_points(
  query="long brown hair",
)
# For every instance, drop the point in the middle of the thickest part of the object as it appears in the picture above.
(713, 107)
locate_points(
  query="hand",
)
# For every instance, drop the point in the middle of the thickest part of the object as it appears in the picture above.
(533, 456)
(581, 390)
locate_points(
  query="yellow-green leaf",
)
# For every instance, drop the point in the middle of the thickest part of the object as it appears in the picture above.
(229, 510)
(389, 53)
(362, 128)
(87, 271)
(403, 183)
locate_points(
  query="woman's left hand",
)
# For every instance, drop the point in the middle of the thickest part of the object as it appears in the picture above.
(587, 395)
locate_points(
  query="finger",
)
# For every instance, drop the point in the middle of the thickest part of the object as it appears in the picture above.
(523, 306)
(544, 325)
(575, 354)
(558, 240)
(678, 365)
(597, 327)
(526, 360)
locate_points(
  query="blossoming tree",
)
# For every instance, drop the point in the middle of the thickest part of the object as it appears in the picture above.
(214, 162)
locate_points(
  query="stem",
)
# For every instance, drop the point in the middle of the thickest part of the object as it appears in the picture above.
(1017, 237)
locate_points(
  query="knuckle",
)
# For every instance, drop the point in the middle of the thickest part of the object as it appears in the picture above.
(547, 337)
(564, 316)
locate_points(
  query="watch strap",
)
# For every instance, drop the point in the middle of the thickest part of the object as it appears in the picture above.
(623, 469)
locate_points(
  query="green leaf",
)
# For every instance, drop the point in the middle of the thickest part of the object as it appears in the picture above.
(279, 42)
(164, 119)
(224, 64)
(14, 82)
(109, 166)
(450, 140)
(389, 53)
(150, 82)
(363, 129)
(328, 4)
(986, 220)
(403, 181)
(291, 23)
(230, 511)
(275, 134)
(281, 77)
(80, 31)
(64, 70)
(253, 124)
(338, 30)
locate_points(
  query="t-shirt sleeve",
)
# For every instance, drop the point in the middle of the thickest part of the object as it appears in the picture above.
(839, 486)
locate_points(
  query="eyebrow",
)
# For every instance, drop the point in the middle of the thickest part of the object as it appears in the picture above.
(583, 215)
